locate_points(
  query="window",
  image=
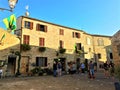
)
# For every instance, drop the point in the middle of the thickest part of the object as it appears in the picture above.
(42, 28)
(100, 42)
(88, 41)
(41, 61)
(76, 35)
(26, 39)
(28, 25)
(89, 49)
(111, 56)
(41, 41)
(99, 56)
(78, 46)
(61, 43)
(61, 32)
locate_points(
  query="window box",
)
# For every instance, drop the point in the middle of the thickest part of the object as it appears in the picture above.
(42, 49)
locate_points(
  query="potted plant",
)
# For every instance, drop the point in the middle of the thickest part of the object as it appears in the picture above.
(42, 49)
(35, 71)
(62, 50)
(25, 47)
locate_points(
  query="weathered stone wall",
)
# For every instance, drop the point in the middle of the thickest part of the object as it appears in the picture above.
(115, 46)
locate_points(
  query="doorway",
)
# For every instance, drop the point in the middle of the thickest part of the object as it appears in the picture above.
(11, 67)
(24, 65)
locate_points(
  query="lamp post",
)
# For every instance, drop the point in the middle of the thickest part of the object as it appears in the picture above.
(12, 4)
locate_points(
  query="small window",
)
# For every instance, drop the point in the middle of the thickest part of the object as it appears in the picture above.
(41, 61)
(99, 56)
(111, 56)
(78, 46)
(41, 42)
(61, 43)
(28, 25)
(100, 42)
(26, 39)
(42, 28)
(61, 32)
(88, 41)
(76, 35)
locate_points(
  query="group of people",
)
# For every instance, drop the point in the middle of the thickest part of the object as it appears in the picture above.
(109, 69)
(57, 69)
(81, 68)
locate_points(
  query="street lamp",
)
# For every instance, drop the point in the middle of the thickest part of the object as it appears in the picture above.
(12, 4)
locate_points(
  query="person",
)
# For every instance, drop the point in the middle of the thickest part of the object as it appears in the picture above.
(91, 70)
(106, 69)
(1, 72)
(59, 68)
(54, 69)
(82, 67)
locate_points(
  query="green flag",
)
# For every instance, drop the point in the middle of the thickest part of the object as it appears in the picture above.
(75, 48)
(10, 22)
(2, 37)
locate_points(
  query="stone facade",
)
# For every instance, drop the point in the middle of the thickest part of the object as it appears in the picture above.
(116, 47)
(91, 47)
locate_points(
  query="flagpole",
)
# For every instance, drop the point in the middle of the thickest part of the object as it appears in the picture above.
(2, 9)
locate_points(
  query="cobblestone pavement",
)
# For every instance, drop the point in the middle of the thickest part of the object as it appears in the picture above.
(65, 82)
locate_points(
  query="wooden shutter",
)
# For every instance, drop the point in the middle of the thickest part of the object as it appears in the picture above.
(37, 27)
(26, 39)
(31, 25)
(78, 35)
(41, 41)
(45, 28)
(73, 34)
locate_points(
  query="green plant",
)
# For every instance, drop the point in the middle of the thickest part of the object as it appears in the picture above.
(37, 70)
(62, 50)
(42, 49)
(25, 47)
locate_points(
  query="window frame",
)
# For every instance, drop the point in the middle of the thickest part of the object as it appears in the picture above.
(28, 25)
(41, 42)
(40, 27)
(26, 39)
(41, 61)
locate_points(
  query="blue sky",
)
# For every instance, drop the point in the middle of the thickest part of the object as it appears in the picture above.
(92, 16)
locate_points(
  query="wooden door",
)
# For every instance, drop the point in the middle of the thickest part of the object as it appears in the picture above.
(24, 65)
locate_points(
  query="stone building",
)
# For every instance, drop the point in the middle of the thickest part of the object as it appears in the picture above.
(41, 43)
(8, 45)
(116, 47)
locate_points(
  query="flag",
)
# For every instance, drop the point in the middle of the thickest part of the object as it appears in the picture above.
(75, 48)
(10, 22)
(2, 37)
(6, 22)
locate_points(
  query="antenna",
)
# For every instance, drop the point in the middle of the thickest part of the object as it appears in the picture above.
(27, 13)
